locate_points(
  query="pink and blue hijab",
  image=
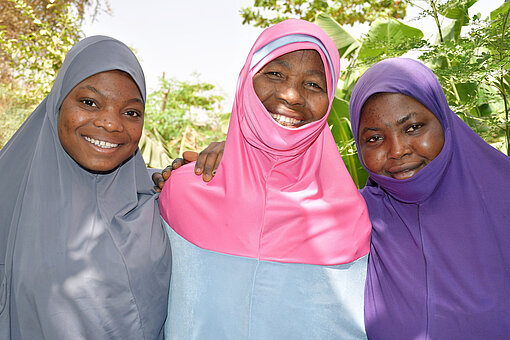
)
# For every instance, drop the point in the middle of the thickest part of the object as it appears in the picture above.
(439, 265)
(280, 194)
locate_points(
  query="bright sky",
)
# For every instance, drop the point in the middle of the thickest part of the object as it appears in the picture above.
(180, 37)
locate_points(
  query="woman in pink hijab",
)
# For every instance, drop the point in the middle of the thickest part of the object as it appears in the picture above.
(275, 246)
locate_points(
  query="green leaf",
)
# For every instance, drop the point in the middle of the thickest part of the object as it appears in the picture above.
(503, 9)
(345, 42)
(385, 33)
(457, 12)
(450, 32)
(341, 129)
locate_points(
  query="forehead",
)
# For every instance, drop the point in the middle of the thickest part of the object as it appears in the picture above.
(390, 107)
(114, 82)
(109, 76)
(300, 59)
(290, 43)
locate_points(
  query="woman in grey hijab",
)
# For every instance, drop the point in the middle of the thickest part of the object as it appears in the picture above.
(82, 251)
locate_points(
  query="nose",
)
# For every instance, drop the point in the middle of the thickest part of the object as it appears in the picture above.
(290, 92)
(398, 147)
(109, 119)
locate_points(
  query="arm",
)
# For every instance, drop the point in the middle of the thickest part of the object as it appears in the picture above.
(207, 163)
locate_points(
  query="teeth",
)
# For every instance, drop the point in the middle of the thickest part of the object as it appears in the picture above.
(101, 143)
(285, 121)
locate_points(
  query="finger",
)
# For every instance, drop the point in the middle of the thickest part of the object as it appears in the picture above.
(157, 178)
(166, 172)
(209, 164)
(177, 163)
(189, 156)
(199, 165)
(206, 159)
(157, 189)
(217, 162)
(220, 147)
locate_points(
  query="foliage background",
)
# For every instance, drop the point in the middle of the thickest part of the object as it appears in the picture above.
(469, 54)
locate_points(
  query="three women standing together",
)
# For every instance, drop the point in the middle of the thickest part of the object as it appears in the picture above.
(276, 245)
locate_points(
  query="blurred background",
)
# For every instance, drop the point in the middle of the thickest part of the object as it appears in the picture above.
(193, 51)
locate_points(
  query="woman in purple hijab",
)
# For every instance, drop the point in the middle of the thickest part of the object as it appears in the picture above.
(438, 198)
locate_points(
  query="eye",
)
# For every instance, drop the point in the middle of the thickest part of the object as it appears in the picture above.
(88, 102)
(373, 139)
(315, 86)
(273, 74)
(414, 127)
(133, 113)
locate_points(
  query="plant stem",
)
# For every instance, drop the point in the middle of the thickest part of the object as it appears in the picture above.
(507, 123)
(502, 83)
(436, 18)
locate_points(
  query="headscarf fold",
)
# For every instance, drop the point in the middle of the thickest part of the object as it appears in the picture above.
(279, 194)
(439, 265)
(82, 255)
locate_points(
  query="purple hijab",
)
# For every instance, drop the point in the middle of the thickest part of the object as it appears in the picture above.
(439, 264)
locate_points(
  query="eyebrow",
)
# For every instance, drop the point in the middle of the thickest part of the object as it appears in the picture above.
(286, 64)
(281, 62)
(93, 89)
(135, 100)
(370, 129)
(399, 122)
(316, 73)
(406, 118)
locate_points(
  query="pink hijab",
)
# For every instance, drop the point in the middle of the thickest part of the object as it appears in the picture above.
(280, 194)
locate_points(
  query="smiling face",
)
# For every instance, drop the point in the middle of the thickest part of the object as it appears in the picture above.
(293, 88)
(398, 135)
(101, 121)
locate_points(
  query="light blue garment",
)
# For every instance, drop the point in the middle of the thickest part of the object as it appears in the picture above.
(219, 296)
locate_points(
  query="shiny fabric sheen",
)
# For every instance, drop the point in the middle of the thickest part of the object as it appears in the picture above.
(256, 299)
(82, 255)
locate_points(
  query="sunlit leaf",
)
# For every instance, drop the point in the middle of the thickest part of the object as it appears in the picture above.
(345, 42)
(385, 33)
(340, 125)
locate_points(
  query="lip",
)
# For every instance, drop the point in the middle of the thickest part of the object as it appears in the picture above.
(287, 120)
(405, 171)
(102, 144)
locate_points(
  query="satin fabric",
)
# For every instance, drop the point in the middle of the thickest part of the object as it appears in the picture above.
(82, 255)
(279, 194)
(219, 296)
(439, 265)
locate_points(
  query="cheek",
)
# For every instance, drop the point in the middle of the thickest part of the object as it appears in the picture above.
(432, 145)
(319, 106)
(373, 159)
(264, 94)
(135, 133)
(64, 128)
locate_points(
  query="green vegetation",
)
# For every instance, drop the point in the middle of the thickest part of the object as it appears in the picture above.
(470, 56)
(264, 13)
(181, 116)
(34, 38)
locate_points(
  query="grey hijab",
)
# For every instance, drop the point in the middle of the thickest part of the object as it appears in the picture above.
(82, 255)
